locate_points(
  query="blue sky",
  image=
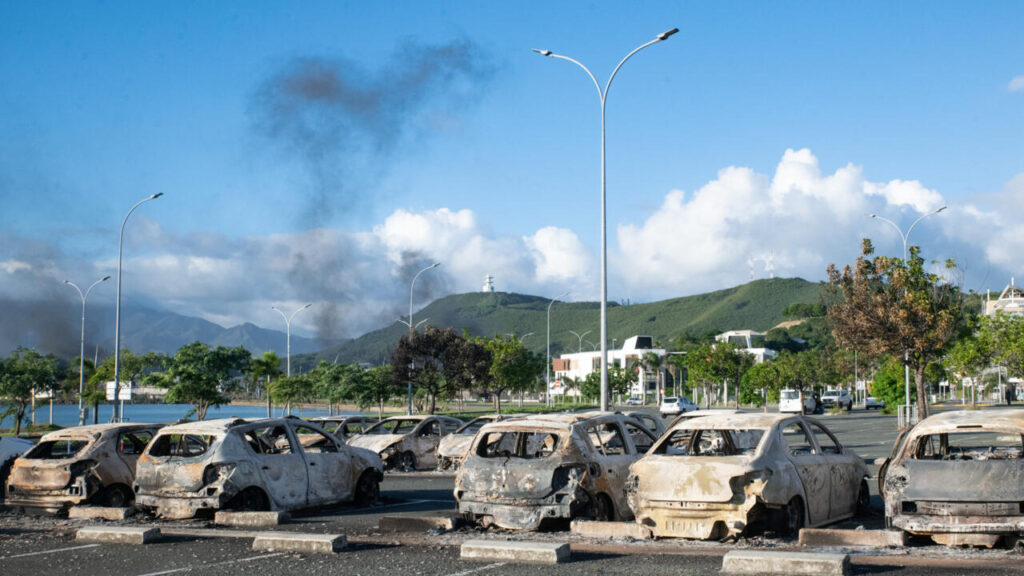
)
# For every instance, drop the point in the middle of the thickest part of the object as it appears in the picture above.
(761, 128)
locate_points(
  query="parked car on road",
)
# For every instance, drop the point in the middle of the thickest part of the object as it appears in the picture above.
(676, 405)
(872, 403)
(407, 443)
(958, 477)
(10, 448)
(793, 401)
(266, 464)
(84, 464)
(524, 472)
(634, 401)
(723, 476)
(838, 397)
(453, 447)
(345, 426)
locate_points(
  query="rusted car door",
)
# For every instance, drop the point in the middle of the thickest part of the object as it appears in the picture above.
(844, 482)
(613, 453)
(281, 465)
(812, 467)
(329, 471)
(130, 445)
(884, 467)
(426, 438)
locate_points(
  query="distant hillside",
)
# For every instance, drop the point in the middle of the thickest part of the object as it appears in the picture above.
(757, 305)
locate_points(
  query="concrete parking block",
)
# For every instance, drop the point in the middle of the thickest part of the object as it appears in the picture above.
(418, 523)
(118, 534)
(874, 538)
(99, 513)
(511, 551)
(300, 543)
(765, 562)
(610, 529)
(228, 518)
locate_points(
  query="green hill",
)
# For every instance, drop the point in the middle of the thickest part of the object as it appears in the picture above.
(757, 305)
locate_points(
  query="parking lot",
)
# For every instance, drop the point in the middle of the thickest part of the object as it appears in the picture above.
(30, 544)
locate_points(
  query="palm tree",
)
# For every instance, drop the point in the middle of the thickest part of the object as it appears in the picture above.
(267, 366)
(652, 361)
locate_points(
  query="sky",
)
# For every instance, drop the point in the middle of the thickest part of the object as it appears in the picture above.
(325, 152)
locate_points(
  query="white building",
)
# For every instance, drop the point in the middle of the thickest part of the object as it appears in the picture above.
(579, 365)
(747, 340)
(1011, 301)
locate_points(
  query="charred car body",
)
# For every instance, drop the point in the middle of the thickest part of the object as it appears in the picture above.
(522, 472)
(958, 477)
(345, 427)
(85, 464)
(721, 476)
(453, 447)
(407, 443)
(267, 464)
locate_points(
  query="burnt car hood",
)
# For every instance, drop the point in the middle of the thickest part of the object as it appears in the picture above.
(455, 445)
(500, 479)
(968, 481)
(689, 478)
(375, 442)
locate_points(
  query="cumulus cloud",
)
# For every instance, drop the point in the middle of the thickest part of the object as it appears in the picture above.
(1017, 84)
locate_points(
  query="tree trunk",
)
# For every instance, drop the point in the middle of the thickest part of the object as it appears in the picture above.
(269, 407)
(922, 400)
(201, 408)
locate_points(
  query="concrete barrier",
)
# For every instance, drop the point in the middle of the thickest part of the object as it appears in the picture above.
(820, 537)
(118, 534)
(227, 518)
(610, 529)
(301, 543)
(511, 551)
(418, 523)
(765, 562)
(99, 513)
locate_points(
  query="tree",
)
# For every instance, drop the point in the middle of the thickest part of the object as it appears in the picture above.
(653, 362)
(513, 367)
(467, 364)
(132, 367)
(885, 305)
(418, 358)
(620, 380)
(266, 367)
(374, 387)
(970, 355)
(197, 374)
(296, 388)
(718, 363)
(21, 375)
(887, 385)
(761, 384)
(1005, 335)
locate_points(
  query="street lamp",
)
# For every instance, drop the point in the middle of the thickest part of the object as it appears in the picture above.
(412, 327)
(906, 353)
(288, 336)
(547, 367)
(81, 353)
(580, 336)
(117, 309)
(603, 95)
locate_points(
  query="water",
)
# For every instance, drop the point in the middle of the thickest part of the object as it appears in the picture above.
(67, 414)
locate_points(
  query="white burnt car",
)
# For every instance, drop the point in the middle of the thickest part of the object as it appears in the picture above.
(726, 475)
(345, 426)
(79, 465)
(407, 443)
(958, 477)
(266, 464)
(523, 472)
(454, 446)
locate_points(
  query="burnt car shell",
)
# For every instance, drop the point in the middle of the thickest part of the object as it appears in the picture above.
(554, 471)
(83, 464)
(958, 477)
(407, 443)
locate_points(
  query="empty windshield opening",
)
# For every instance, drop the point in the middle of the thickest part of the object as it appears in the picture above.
(394, 427)
(717, 442)
(56, 449)
(181, 445)
(969, 446)
(517, 444)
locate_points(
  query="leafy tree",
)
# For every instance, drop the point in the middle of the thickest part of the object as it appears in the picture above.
(1005, 333)
(21, 375)
(970, 355)
(265, 368)
(714, 364)
(374, 387)
(132, 369)
(197, 374)
(513, 367)
(620, 380)
(333, 382)
(467, 364)
(888, 385)
(295, 388)
(886, 305)
(419, 357)
(653, 362)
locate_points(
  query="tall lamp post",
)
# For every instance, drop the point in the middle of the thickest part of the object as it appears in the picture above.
(288, 336)
(906, 353)
(580, 336)
(547, 367)
(603, 95)
(412, 327)
(117, 310)
(81, 353)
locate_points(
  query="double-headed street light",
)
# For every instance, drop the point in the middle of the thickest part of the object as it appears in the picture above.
(117, 309)
(412, 327)
(81, 353)
(547, 367)
(580, 336)
(904, 237)
(288, 335)
(603, 95)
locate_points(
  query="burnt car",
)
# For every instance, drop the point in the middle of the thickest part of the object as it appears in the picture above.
(407, 443)
(723, 476)
(266, 464)
(10, 449)
(958, 477)
(85, 464)
(452, 448)
(345, 426)
(523, 472)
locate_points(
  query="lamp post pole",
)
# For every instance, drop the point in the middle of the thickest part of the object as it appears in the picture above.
(547, 367)
(117, 310)
(288, 336)
(580, 336)
(603, 95)
(81, 353)
(412, 327)
(906, 353)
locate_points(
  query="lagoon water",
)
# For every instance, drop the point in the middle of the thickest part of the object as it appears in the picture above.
(67, 414)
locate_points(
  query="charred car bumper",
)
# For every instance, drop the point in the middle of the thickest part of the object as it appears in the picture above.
(180, 506)
(519, 514)
(50, 500)
(696, 519)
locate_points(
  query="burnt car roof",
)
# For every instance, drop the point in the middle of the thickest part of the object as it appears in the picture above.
(746, 420)
(95, 429)
(984, 419)
(558, 420)
(221, 425)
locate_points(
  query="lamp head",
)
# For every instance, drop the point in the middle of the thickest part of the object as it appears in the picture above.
(155, 196)
(306, 306)
(666, 35)
(874, 215)
(940, 209)
(67, 281)
(542, 52)
(435, 265)
(105, 278)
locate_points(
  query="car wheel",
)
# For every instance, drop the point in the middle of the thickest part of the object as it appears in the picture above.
(251, 499)
(863, 499)
(794, 517)
(115, 496)
(407, 462)
(603, 510)
(367, 488)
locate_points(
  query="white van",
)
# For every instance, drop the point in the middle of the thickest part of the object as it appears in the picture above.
(796, 401)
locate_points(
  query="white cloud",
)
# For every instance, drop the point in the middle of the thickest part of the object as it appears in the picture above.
(1017, 84)
(560, 258)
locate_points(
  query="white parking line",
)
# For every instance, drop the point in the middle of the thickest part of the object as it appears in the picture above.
(49, 551)
(204, 566)
(411, 502)
(480, 569)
